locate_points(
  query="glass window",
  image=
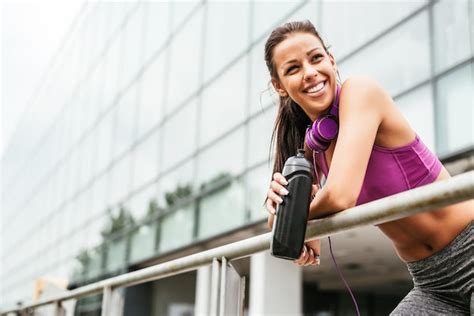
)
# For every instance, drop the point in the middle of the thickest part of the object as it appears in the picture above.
(152, 100)
(226, 34)
(417, 107)
(176, 228)
(456, 111)
(181, 10)
(179, 139)
(132, 44)
(157, 23)
(346, 32)
(224, 102)
(125, 119)
(399, 60)
(112, 66)
(144, 202)
(451, 29)
(222, 210)
(225, 157)
(261, 92)
(176, 184)
(145, 165)
(104, 142)
(261, 125)
(185, 63)
(309, 11)
(267, 14)
(143, 242)
(119, 183)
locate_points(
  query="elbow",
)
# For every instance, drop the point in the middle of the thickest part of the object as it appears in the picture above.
(340, 201)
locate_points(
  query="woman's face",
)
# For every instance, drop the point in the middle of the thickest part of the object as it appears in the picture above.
(306, 73)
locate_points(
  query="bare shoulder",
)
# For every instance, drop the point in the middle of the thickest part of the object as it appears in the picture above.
(394, 129)
(366, 89)
(363, 93)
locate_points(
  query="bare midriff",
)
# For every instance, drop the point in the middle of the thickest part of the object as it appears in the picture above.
(420, 236)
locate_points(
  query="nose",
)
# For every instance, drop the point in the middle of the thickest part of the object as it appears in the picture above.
(309, 71)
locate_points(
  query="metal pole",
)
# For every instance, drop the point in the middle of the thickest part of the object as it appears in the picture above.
(215, 276)
(106, 300)
(223, 286)
(432, 196)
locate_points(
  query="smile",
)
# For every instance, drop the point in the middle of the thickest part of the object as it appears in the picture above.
(316, 90)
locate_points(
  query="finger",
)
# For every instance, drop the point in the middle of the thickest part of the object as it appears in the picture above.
(313, 257)
(279, 178)
(275, 198)
(278, 188)
(270, 208)
(304, 255)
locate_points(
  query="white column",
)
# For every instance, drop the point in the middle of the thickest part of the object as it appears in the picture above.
(203, 291)
(275, 286)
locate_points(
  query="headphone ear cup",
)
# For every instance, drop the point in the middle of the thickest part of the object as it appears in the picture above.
(314, 141)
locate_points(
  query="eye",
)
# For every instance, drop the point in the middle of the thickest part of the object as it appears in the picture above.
(316, 57)
(291, 69)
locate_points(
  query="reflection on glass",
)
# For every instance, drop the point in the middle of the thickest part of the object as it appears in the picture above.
(179, 139)
(225, 156)
(451, 29)
(226, 35)
(346, 32)
(222, 210)
(176, 228)
(181, 176)
(223, 103)
(455, 97)
(415, 105)
(399, 60)
(143, 242)
(185, 50)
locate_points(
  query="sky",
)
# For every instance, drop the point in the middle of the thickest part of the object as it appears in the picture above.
(31, 33)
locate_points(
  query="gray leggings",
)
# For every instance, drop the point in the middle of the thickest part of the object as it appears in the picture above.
(443, 282)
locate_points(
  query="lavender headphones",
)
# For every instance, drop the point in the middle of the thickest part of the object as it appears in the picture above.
(325, 128)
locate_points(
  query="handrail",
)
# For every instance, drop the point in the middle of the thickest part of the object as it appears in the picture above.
(425, 198)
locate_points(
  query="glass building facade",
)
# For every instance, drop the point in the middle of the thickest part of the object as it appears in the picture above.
(150, 130)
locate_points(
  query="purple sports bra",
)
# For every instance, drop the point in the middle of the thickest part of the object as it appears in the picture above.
(391, 171)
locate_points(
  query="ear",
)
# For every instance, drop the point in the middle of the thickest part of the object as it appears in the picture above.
(279, 88)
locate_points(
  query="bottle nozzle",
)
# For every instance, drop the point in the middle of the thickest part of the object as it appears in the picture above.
(300, 153)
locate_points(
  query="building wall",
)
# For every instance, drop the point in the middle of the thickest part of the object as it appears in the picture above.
(164, 109)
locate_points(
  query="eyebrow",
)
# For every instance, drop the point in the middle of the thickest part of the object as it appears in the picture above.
(307, 53)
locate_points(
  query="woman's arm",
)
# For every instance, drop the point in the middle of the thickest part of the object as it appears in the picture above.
(362, 106)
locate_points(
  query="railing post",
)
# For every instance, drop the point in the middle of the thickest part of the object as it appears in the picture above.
(59, 309)
(215, 277)
(232, 290)
(106, 301)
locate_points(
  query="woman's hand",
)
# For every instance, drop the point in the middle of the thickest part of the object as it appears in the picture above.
(277, 189)
(310, 253)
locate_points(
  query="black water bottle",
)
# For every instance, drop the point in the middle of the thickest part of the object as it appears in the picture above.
(291, 218)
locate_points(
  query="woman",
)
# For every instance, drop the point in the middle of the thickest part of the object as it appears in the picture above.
(375, 154)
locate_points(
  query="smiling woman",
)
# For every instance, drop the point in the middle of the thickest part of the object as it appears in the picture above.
(373, 154)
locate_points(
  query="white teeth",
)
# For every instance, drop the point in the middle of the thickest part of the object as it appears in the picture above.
(316, 88)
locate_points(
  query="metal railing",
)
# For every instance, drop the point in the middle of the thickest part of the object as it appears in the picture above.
(425, 198)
